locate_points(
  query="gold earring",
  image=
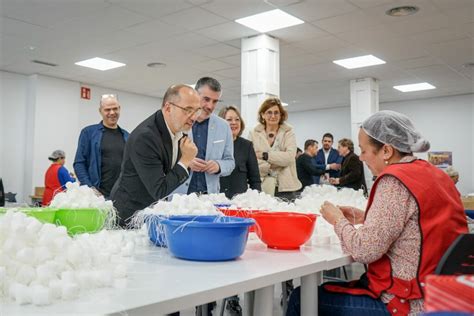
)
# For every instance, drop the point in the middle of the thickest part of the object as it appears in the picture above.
(386, 162)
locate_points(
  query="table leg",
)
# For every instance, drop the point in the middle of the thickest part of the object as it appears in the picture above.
(249, 298)
(309, 294)
(264, 301)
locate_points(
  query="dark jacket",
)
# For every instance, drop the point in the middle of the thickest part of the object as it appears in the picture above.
(146, 174)
(88, 160)
(352, 172)
(333, 157)
(245, 173)
(307, 170)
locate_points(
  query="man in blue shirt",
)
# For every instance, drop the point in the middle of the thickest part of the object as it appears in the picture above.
(329, 158)
(213, 138)
(100, 148)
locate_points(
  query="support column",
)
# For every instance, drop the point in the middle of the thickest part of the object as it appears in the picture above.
(364, 102)
(260, 75)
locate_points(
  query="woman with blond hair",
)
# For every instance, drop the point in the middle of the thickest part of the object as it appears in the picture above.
(245, 174)
(275, 145)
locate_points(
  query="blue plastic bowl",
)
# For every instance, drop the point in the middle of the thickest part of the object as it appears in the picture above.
(470, 213)
(207, 238)
(156, 231)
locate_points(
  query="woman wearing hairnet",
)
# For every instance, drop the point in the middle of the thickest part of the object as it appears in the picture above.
(414, 213)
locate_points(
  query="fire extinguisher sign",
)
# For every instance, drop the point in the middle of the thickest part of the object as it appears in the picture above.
(85, 93)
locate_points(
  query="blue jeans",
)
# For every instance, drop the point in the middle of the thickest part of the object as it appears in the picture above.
(337, 304)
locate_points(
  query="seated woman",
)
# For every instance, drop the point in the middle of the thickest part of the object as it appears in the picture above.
(246, 172)
(56, 176)
(352, 169)
(413, 214)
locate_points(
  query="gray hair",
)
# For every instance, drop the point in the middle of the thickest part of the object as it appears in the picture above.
(212, 83)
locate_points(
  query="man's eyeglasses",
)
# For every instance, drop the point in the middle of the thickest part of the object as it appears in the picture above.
(270, 113)
(189, 111)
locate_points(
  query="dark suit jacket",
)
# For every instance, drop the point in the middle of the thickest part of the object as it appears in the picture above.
(352, 172)
(307, 170)
(332, 158)
(245, 173)
(146, 175)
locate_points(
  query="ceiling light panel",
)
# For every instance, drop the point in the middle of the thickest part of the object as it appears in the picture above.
(269, 21)
(415, 87)
(100, 64)
(359, 62)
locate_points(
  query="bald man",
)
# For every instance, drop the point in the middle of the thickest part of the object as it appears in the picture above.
(158, 153)
(100, 148)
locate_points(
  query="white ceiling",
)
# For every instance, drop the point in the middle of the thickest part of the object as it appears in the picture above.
(198, 37)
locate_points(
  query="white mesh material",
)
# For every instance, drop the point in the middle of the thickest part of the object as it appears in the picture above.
(395, 129)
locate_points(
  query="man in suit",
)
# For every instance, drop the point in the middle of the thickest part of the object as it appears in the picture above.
(304, 165)
(329, 157)
(157, 154)
(214, 141)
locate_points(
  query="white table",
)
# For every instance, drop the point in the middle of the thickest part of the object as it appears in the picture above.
(159, 283)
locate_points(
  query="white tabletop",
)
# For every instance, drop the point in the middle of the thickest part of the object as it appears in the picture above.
(159, 283)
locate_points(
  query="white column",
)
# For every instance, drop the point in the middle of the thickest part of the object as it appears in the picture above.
(364, 102)
(260, 75)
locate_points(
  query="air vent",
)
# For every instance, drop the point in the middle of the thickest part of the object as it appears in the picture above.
(402, 11)
(44, 63)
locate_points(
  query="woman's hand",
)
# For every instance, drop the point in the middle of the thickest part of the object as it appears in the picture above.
(331, 213)
(353, 215)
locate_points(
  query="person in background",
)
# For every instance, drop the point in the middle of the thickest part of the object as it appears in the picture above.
(352, 170)
(404, 232)
(245, 173)
(213, 139)
(327, 156)
(158, 153)
(100, 148)
(275, 145)
(56, 177)
(453, 174)
(299, 152)
(304, 166)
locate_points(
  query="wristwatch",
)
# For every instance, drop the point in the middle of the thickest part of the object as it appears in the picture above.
(265, 156)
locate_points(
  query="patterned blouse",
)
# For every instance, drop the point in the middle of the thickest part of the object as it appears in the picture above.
(391, 228)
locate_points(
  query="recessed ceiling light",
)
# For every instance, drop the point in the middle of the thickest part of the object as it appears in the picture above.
(415, 87)
(100, 63)
(156, 65)
(402, 11)
(284, 104)
(359, 62)
(269, 21)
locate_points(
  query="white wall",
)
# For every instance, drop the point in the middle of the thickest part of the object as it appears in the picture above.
(40, 114)
(446, 122)
(314, 124)
(12, 130)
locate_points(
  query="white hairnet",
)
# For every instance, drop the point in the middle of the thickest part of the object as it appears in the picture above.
(396, 129)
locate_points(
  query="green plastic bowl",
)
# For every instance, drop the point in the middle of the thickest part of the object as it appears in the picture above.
(81, 220)
(44, 215)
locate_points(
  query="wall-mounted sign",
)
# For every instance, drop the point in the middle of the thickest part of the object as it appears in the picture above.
(441, 159)
(85, 93)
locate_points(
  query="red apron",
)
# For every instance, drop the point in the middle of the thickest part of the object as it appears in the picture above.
(51, 183)
(441, 220)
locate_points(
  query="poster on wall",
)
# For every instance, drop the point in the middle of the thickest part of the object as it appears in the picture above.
(441, 159)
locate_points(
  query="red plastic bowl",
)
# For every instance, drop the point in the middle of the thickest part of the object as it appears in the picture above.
(284, 230)
(241, 213)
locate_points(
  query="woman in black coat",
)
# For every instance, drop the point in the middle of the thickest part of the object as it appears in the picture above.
(352, 169)
(246, 172)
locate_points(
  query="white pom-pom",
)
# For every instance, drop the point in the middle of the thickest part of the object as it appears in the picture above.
(41, 295)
